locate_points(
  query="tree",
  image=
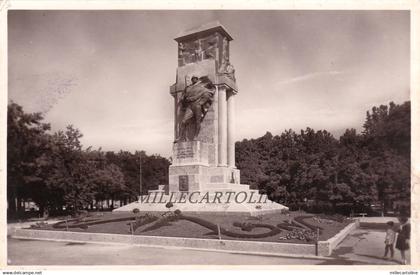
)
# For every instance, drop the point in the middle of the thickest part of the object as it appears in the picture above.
(108, 183)
(27, 139)
(389, 128)
(356, 171)
(154, 170)
(54, 170)
(70, 171)
(386, 137)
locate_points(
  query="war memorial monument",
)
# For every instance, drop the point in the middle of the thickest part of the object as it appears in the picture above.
(203, 176)
(198, 202)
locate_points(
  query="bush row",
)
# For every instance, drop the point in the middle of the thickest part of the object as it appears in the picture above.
(209, 225)
(77, 223)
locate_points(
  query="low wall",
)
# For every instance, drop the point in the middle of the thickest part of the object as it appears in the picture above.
(251, 247)
(325, 248)
(378, 223)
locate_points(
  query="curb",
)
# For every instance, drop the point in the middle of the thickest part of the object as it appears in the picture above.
(255, 253)
(327, 247)
(230, 246)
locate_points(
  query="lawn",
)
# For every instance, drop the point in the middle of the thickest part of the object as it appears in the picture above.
(294, 227)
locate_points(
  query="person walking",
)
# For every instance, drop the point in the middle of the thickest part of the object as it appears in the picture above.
(403, 238)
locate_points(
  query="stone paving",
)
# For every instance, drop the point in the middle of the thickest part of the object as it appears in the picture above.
(363, 247)
(33, 252)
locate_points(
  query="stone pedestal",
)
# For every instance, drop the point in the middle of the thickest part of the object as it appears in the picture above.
(190, 152)
(190, 170)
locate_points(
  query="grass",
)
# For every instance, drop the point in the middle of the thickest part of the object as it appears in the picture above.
(190, 229)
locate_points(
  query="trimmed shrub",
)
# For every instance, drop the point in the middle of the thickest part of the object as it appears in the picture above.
(75, 223)
(286, 226)
(248, 227)
(245, 226)
(39, 225)
(143, 220)
(209, 225)
(204, 223)
(84, 226)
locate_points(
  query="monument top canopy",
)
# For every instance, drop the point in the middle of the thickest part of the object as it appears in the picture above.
(203, 30)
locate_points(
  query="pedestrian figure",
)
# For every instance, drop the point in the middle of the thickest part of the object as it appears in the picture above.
(390, 239)
(403, 238)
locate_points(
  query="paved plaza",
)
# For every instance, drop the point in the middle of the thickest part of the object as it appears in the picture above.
(362, 247)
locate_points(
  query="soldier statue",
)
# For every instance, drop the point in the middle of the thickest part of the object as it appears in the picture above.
(195, 101)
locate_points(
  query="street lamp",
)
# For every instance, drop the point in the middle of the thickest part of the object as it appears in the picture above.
(140, 180)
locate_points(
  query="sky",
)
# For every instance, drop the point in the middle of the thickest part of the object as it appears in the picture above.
(108, 72)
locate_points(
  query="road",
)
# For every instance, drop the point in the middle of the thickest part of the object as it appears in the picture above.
(362, 247)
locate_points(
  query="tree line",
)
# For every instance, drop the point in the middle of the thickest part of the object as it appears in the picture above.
(314, 170)
(307, 169)
(56, 172)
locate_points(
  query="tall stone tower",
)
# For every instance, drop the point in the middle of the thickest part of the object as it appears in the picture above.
(204, 159)
(203, 176)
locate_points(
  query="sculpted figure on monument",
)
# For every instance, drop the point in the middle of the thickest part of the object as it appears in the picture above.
(187, 52)
(194, 104)
(209, 48)
(227, 69)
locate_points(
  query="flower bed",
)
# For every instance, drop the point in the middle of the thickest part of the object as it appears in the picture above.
(295, 227)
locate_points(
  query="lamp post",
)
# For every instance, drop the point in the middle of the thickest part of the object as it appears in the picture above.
(140, 182)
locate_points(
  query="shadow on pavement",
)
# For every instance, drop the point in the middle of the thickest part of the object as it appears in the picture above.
(71, 243)
(342, 250)
(342, 261)
(360, 235)
(379, 258)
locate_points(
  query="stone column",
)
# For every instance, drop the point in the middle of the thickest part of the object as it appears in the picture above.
(231, 129)
(222, 143)
(176, 116)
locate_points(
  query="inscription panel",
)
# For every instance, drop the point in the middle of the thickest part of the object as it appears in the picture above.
(185, 152)
(183, 183)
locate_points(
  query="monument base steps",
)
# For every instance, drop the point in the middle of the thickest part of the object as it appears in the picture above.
(227, 201)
